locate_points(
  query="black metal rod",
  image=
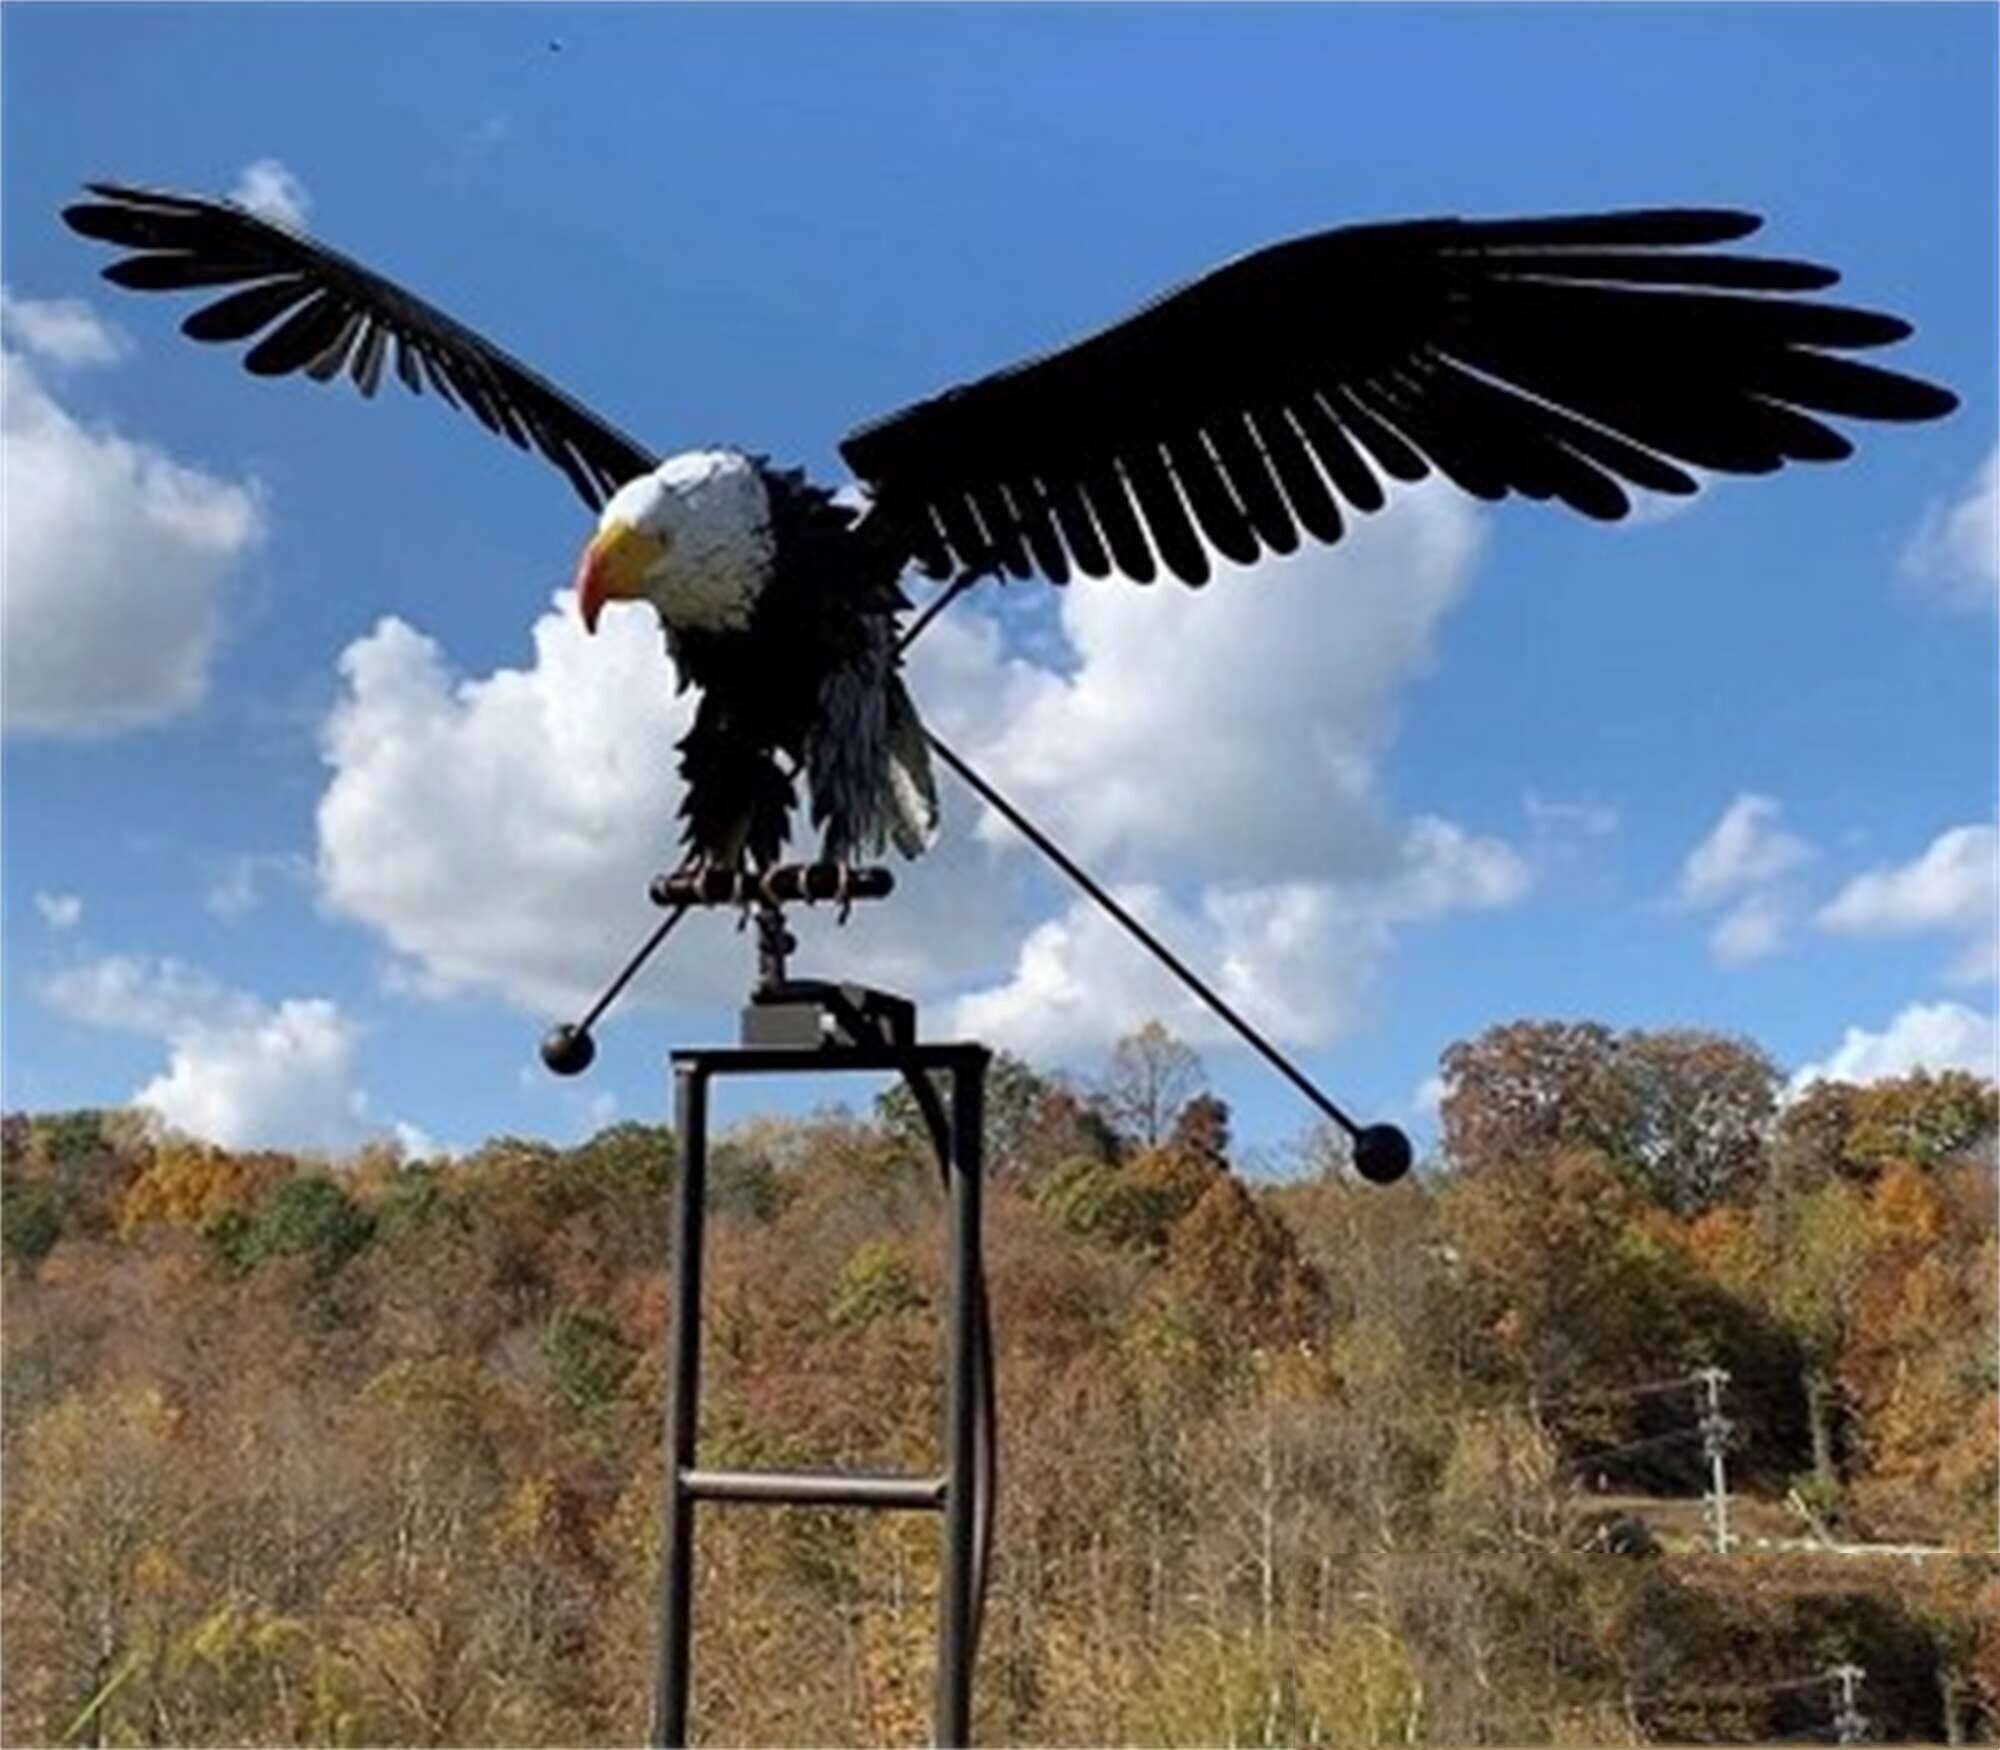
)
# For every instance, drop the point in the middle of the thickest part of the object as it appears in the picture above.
(986, 1457)
(758, 1060)
(659, 935)
(956, 1605)
(1160, 951)
(783, 1488)
(936, 606)
(670, 1685)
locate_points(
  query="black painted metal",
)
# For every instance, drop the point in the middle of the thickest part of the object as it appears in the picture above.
(961, 1492)
(787, 884)
(957, 1623)
(670, 1683)
(804, 1488)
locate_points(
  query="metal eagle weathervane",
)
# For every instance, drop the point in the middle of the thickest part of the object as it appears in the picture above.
(1257, 406)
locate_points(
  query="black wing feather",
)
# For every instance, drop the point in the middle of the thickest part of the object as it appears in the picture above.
(1564, 359)
(331, 313)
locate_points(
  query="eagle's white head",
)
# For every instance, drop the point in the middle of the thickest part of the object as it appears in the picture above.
(693, 538)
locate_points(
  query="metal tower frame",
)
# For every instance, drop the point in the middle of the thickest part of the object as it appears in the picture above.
(793, 1028)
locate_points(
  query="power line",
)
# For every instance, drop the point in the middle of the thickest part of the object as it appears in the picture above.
(1647, 1389)
(1636, 1445)
(1609, 1394)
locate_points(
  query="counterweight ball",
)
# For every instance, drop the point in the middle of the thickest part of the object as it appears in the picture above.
(1382, 1154)
(568, 1050)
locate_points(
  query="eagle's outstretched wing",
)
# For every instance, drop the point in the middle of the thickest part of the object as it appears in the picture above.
(1554, 357)
(325, 313)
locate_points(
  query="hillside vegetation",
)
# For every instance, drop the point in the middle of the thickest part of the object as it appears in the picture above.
(367, 1451)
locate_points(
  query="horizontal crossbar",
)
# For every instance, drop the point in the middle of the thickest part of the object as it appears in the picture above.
(723, 1060)
(805, 1488)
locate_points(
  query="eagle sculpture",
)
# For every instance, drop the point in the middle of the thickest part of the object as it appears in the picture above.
(1241, 413)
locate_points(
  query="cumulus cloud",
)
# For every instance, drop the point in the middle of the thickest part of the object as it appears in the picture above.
(1952, 887)
(1215, 751)
(63, 331)
(116, 557)
(239, 1071)
(1078, 980)
(1744, 859)
(1752, 928)
(1954, 556)
(271, 191)
(60, 911)
(1924, 1036)
(497, 831)
(1746, 849)
(1294, 958)
(1236, 727)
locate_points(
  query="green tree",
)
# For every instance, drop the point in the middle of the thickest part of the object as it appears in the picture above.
(310, 1216)
(588, 1360)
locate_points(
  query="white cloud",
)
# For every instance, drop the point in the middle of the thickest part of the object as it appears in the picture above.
(238, 884)
(1216, 747)
(272, 192)
(1235, 728)
(239, 1072)
(1444, 869)
(115, 561)
(1926, 1036)
(1427, 1100)
(1286, 957)
(498, 832)
(1954, 556)
(1746, 849)
(64, 331)
(145, 996)
(60, 911)
(1753, 928)
(1295, 958)
(1952, 887)
(417, 1143)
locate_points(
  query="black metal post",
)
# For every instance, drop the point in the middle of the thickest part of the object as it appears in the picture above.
(957, 1603)
(670, 1683)
(960, 1493)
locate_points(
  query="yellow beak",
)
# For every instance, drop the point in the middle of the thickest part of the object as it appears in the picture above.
(613, 568)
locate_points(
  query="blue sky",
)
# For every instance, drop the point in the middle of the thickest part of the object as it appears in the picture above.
(316, 806)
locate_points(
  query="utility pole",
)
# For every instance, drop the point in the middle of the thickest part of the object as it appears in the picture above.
(1849, 1723)
(1715, 1441)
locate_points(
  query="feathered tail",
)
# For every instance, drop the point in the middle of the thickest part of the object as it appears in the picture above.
(867, 761)
(912, 815)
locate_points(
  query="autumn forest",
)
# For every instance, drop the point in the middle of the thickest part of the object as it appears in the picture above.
(367, 1451)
